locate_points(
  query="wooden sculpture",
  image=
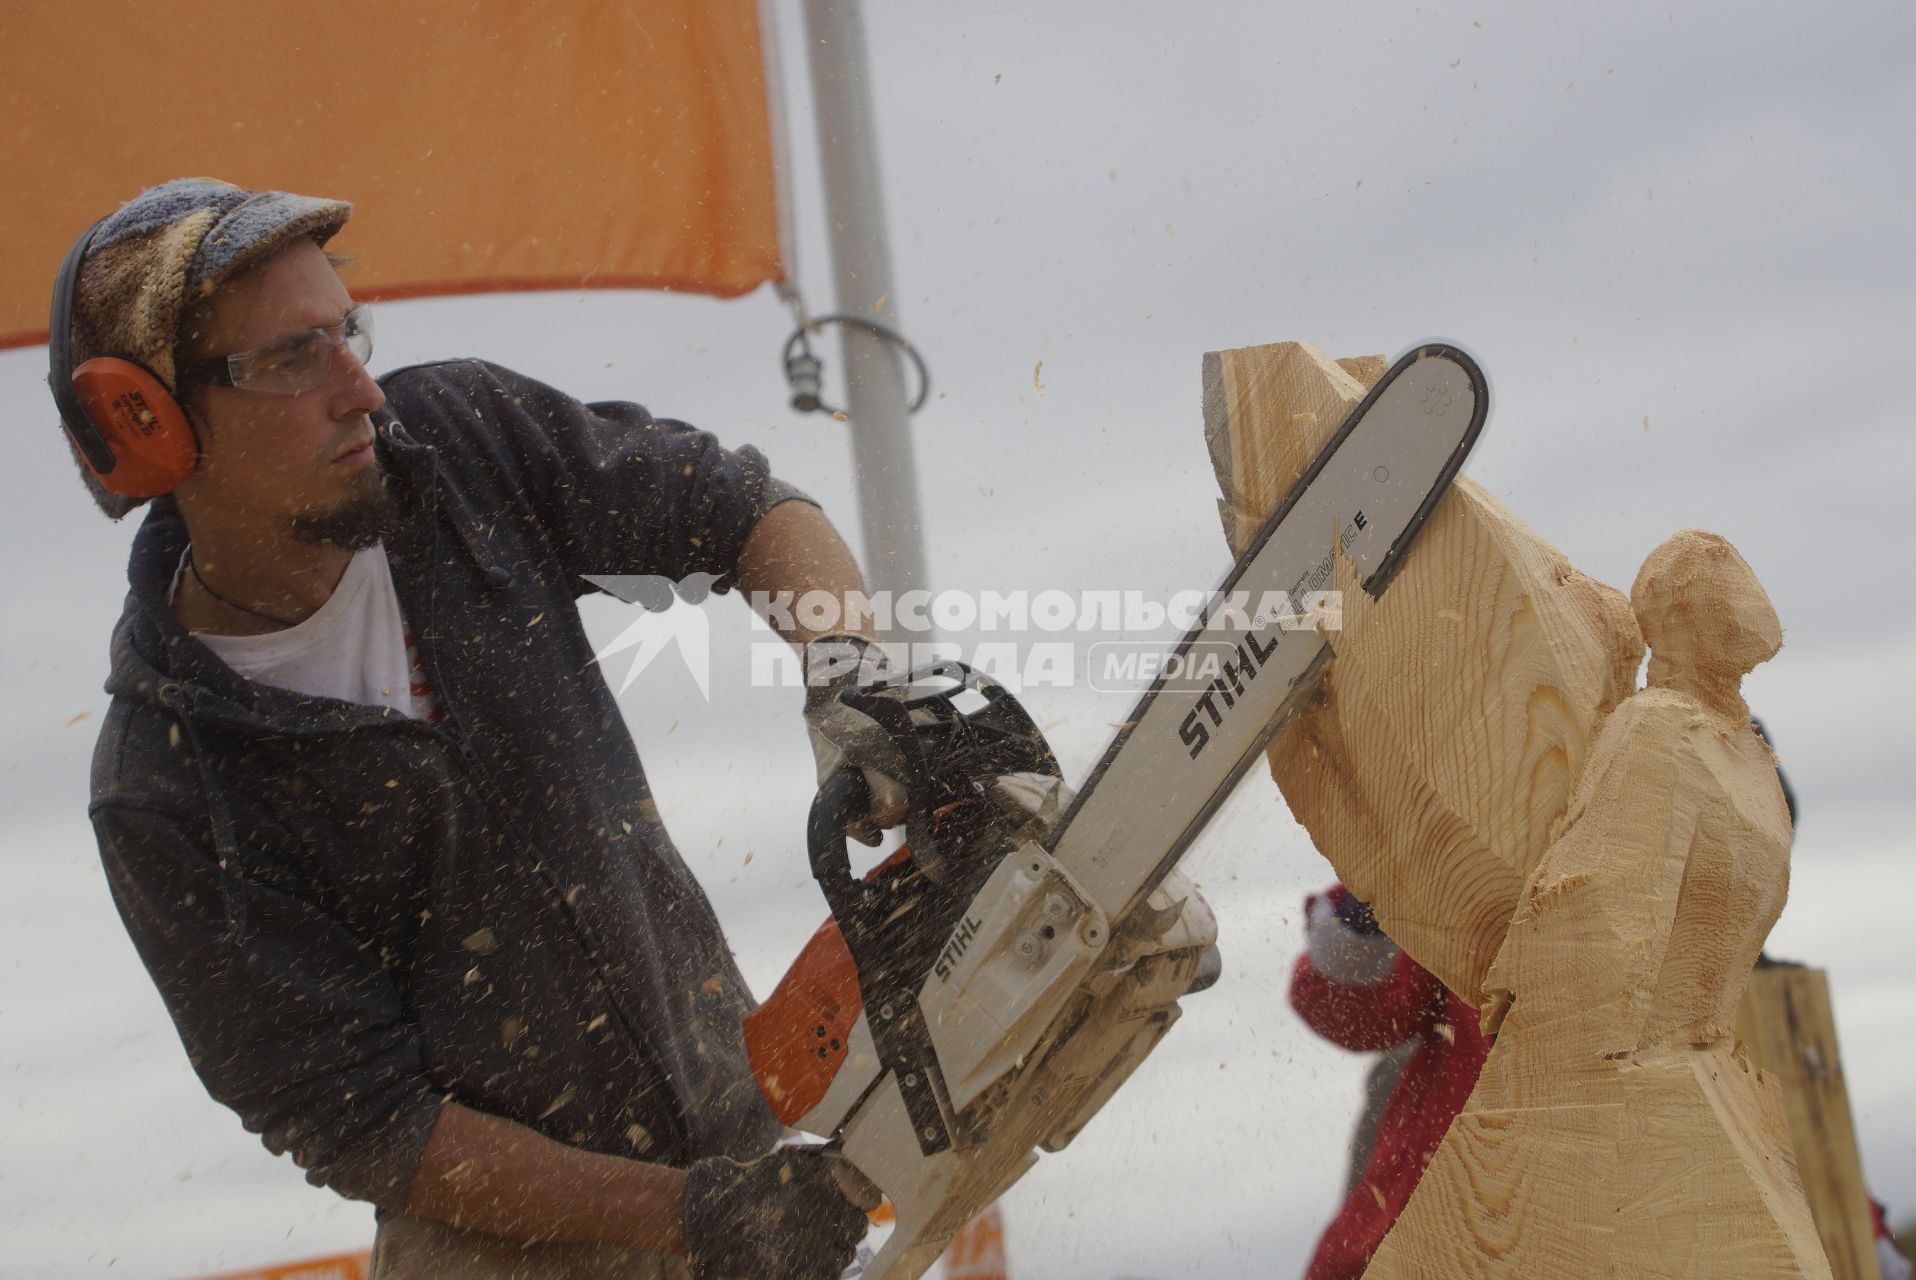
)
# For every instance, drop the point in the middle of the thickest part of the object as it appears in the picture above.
(1595, 866)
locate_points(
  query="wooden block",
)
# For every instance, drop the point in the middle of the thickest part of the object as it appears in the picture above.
(1509, 1194)
(1267, 411)
(1652, 1184)
(1366, 369)
(1475, 684)
(1706, 1185)
(1789, 1030)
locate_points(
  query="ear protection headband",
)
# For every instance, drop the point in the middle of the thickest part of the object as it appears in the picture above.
(132, 432)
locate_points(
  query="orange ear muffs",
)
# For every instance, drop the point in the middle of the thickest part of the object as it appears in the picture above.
(138, 419)
(133, 435)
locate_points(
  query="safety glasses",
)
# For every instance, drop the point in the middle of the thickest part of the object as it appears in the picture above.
(298, 362)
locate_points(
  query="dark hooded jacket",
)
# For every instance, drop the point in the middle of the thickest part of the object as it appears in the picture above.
(352, 915)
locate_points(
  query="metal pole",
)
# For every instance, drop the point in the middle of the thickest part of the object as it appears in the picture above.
(893, 535)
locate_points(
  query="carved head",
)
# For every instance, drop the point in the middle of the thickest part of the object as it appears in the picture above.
(1703, 613)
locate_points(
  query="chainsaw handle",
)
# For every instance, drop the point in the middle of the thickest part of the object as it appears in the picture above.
(887, 976)
(844, 795)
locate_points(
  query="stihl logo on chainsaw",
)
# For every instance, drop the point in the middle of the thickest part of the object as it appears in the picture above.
(1226, 689)
(1221, 695)
(955, 949)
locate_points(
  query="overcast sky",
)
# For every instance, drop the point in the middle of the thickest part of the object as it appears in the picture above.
(1677, 237)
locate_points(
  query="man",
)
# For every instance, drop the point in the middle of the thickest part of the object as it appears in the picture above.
(369, 811)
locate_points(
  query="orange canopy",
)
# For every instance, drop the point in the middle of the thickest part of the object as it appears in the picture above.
(341, 1266)
(570, 144)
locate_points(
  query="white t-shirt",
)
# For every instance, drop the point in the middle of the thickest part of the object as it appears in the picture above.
(355, 647)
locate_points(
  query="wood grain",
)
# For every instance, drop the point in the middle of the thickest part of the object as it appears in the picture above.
(1526, 1178)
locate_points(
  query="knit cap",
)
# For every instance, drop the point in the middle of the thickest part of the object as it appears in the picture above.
(173, 245)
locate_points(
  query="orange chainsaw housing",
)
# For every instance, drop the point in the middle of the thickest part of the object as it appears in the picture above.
(797, 1038)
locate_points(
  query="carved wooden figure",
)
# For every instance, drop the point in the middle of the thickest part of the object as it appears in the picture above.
(1595, 866)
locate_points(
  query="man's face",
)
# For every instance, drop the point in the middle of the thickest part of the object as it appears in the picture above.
(302, 461)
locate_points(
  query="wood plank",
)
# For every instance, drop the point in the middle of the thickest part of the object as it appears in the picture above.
(1788, 1028)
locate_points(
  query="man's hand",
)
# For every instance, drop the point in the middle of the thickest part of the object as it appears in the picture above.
(785, 1216)
(844, 737)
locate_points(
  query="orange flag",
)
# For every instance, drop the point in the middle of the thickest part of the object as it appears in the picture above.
(563, 145)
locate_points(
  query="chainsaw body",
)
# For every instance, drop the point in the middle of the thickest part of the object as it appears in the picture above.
(941, 1027)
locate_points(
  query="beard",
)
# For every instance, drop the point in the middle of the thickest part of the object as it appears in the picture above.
(364, 519)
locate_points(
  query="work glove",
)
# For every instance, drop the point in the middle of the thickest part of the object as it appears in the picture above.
(1032, 803)
(844, 737)
(789, 1215)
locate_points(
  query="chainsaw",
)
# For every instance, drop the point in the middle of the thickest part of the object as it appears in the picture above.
(983, 992)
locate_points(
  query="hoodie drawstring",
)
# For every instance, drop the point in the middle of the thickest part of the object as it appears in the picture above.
(225, 848)
(464, 521)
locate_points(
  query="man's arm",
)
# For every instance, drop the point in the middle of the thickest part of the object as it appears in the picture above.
(299, 1029)
(795, 549)
(486, 1173)
(795, 1214)
(490, 1174)
(622, 492)
(287, 1016)
(294, 1023)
